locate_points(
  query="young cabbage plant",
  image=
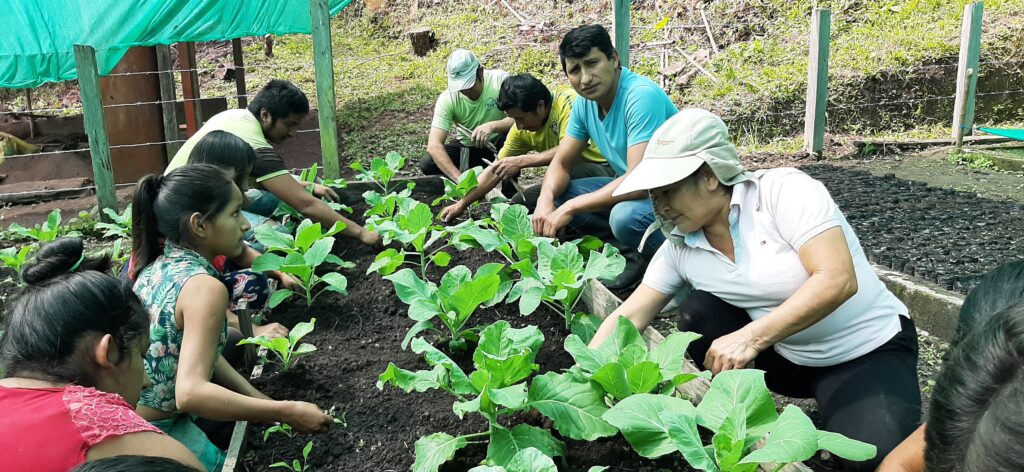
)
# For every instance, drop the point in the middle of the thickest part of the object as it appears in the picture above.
(739, 411)
(283, 429)
(295, 465)
(453, 302)
(15, 257)
(300, 256)
(454, 191)
(413, 226)
(287, 350)
(497, 388)
(623, 366)
(48, 231)
(381, 171)
(288, 215)
(120, 226)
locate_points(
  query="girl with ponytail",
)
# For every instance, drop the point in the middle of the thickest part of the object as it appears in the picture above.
(72, 349)
(181, 222)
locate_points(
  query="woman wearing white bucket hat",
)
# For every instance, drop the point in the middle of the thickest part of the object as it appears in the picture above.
(779, 280)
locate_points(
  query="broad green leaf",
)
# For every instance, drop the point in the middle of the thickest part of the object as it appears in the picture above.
(441, 259)
(471, 295)
(304, 348)
(513, 396)
(682, 430)
(605, 265)
(643, 377)
(612, 378)
(336, 228)
(468, 406)
(632, 355)
(842, 446)
(453, 279)
(728, 451)
(410, 288)
(513, 221)
(336, 282)
(529, 292)
(501, 340)
(598, 468)
(306, 234)
(505, 371)
(625, 335)
(416, 329)
(419, 218)
(467, 234)
(506, 443)
(409, 381)
(574, 406)
(386, 262)
(531, 460)
(267, 262)
(434, 450)
(637, 417)
(671, 353)
(588, 359)
(423, 310)
(792, 439)
(460, 381)
(589, 244)
(584, 325)
(505, 284)
(744, 387)
(552, 259)
(300, 330)
(279, 296)
(318, 252)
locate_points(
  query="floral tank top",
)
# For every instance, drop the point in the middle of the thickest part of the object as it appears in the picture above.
(158, 286)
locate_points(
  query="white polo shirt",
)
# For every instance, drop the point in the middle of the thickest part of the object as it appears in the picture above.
(772, 217)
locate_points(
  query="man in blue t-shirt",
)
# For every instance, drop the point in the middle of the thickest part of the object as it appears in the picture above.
(619, 111)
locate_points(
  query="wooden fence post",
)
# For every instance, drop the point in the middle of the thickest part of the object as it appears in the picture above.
(239, 63)
(320, 17)
(967, 71)
(95, 127)
(168, 99)
(190, 88)
(817, 81)
(620, 28)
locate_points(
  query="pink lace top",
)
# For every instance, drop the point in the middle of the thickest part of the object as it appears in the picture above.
(52, 429)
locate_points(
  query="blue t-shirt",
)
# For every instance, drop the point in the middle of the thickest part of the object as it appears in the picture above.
(640, 107)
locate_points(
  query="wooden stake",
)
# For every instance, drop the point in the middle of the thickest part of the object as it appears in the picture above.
(967, 71)
(189, 87)
(168, 99)
(817, 81)
(320, 17)
(95, 127)
(620, 30)
(239, 63)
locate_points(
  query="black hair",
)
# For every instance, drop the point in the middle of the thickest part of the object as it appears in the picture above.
(70, 301)
(223, 149)
(976, 417)
(134, 464)
(524, 92)
(281, 98)
(997, 289)
(578, 42)
(163, 205)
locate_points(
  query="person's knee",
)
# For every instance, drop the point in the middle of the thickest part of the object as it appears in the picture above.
(627, 228)
(428, 166)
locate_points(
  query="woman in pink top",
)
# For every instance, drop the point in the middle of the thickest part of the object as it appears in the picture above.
(72, 350)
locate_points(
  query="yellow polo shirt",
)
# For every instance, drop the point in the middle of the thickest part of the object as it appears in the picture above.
(519, 142)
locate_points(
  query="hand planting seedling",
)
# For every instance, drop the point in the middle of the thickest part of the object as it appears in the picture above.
(288, 215)
(623, 366)
(288, 350)
(120, 226)
(454, 191)
(739, 411)
(301, 256)
(504, 359)
(295, 465)
(459, 295)
(46, 232)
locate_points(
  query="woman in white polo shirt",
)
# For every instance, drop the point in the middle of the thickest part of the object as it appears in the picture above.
(779, 280)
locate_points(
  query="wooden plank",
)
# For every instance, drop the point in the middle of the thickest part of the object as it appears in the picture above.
(967, 70)
(168, 99)
(620, 30)
(817, 81)
(320, 17)
(95, 127)
(238, 60)
(189, 87)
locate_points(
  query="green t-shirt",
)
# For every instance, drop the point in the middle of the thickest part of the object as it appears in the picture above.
(454, 107)
(239, 122)
(521, 142)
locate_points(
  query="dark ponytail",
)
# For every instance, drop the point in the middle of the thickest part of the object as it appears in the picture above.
(69, 303)
(163, 205)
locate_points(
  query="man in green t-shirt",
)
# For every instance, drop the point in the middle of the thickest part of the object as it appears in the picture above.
(272, 116)
(470, 101)
(541, 118)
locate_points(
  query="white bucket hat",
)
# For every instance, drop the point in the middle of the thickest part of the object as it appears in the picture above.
(462, 66)
(679, 147)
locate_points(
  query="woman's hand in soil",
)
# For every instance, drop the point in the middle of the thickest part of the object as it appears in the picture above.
(732, 351)
(323, 191)
(452, 212)
(287, 281)
(272, 330)
(371, 238)
(306, 418)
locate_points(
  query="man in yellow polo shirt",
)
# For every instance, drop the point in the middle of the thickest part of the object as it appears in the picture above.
(541, 118)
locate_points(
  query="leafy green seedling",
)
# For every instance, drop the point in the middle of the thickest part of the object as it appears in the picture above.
(295, 465)
(504, 360)
(301, 256)
(453, 302)
(454, 191)
(740, 411)
(381, 171)
(15, 257)
(120, 226)
(46, 232)
(289, 215)
(289, 349)
(283, 428)
(412, 225)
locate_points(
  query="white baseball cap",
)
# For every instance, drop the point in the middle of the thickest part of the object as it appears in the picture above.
(678, 148)
(462, 66)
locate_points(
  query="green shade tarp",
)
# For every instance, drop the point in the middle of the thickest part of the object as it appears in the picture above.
(37, 37)
(1017, 134)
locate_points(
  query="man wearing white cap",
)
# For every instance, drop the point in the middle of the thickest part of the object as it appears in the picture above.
(470, 101)
(780, 280)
